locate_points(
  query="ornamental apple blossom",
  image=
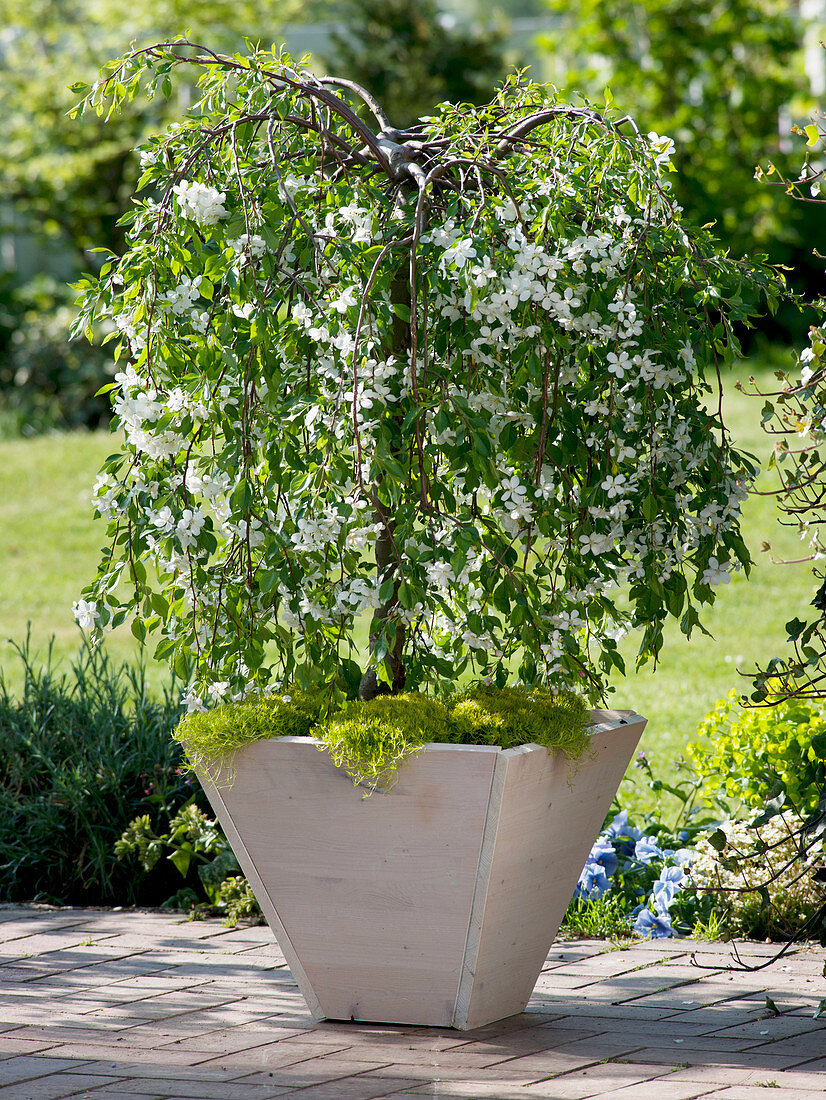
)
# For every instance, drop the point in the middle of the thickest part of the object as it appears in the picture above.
(454, 381)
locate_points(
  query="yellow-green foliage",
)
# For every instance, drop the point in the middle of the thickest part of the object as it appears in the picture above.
(370, 740)
(208, 737)
(486, 715)
(747, 751)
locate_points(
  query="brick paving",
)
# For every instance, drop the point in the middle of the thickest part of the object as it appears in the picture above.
(135, 1005)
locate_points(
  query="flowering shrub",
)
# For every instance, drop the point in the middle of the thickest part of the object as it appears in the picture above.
(766, 874)
(757, 877)
(760, 884)
(646, 874)
(455, 378)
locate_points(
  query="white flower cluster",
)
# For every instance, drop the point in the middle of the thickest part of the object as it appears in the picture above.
(182, 298)
(753, 857)
(253, 244)
(200, 202)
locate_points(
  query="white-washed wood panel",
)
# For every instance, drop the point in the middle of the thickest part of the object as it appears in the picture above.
(373, 895)
(436, 902)
(550, 813)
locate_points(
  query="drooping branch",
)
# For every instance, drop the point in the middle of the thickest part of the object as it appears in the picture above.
(532, 122)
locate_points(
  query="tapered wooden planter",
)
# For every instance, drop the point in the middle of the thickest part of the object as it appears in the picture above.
(437, 901)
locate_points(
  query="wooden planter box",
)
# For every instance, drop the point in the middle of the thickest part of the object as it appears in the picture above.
(433, 903)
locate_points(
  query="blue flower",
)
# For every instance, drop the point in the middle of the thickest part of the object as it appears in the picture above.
(604, 854)
(593, 882)
(666, 888)
(625, 834)
(653, 925)
(664, 892)
(647, 849)
(672, 874)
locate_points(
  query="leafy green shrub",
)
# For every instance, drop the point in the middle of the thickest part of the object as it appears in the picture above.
(760, 872)
(193, 843)
(48, 380)
(237, 901)
(754, 753)
(81, 755)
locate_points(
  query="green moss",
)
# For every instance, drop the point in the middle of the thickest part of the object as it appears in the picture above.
(371, 740)
(210, 736)
(512, 716)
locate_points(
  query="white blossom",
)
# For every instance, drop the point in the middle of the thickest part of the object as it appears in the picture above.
(203, 204)
(86, 613)
(716, 573)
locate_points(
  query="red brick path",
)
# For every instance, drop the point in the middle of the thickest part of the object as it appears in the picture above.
(138, 1005)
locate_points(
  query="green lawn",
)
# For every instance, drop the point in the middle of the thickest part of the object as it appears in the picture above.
(747, 621)
(50, 545)
(51, 539)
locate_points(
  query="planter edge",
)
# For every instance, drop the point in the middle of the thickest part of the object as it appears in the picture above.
(262, 896)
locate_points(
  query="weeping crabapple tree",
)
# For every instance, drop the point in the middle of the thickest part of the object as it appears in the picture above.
(459, 382)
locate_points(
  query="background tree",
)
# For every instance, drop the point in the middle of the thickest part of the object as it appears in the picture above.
(720, 79)
(64, 187)
(411, 57)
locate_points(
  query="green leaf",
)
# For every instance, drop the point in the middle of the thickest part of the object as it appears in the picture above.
(821, 1009)
(159, 604)
(349, 673)
(182, 859)
(772, 808)
(502, 598)
(241, 497)
(813, 135)
(675, 591)
(405, 596)
(481, 444)
(650, 508)
(794, 628)
(163, 648)
(718, 840)
(771, 1008)
(401, 310)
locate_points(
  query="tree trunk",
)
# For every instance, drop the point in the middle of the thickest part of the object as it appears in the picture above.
(387, 562)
